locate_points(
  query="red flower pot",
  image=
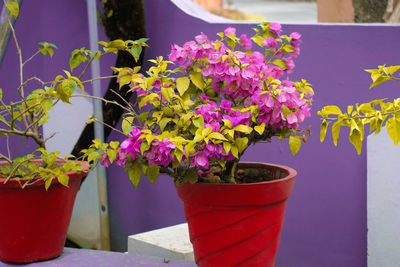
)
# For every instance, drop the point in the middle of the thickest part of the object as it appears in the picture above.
(34, 222)
(237, 225)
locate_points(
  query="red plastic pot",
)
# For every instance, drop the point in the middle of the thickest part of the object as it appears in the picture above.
(34, 222)
(237, 224)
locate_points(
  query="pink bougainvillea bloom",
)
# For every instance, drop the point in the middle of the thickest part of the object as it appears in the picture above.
(295, 36)
(120, 158)
(270, 42)
(160, 152)
(230, 30)
(226, 105)
(202, 38)
(246, 42)
(105, 160)
(203, 97)
(275, 28)
(199, 159)
(132, 144)
(291, 118)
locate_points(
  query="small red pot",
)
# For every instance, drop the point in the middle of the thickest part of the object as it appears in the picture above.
(34, 222)
(237, 224)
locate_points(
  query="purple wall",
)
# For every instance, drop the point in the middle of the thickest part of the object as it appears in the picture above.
(326, 215)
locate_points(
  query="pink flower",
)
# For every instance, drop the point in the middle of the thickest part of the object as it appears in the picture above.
(270, 42)
(199, 159)
(226, 105)
(132, 144)
(160, 152)
(120, 158)
(275, 28)
(246, 42)
(105, 160)
(230, 30)
(202, 38)
(295, 36)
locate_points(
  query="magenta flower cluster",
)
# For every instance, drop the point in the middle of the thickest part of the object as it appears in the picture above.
(249, 88)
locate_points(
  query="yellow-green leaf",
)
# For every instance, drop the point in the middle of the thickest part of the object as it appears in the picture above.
(243, 128)
(294, 144)
(13, 7)
(241, 143)
(260, 128)
(333, 110)
(393, 129)
(336, 131)
(324, 128)
(63, 179)
(182, 84)
(197, 80)
(152, 173)
(135, 173)
(218, 136)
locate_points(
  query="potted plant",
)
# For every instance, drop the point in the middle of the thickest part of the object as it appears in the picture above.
(38, 189)
(197, 119)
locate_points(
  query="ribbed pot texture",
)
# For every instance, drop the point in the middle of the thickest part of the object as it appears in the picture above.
(237, 224)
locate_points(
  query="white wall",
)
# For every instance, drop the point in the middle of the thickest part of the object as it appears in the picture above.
(383, 201)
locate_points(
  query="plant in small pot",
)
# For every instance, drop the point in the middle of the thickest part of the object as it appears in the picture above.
(199, 112)
(38, 189)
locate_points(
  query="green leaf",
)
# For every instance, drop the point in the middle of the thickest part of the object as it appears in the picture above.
(47, 183)
(260, 128)
(333, 110)
(217, 136)
(135, 173)
(13, 7)
(1, 94)
(63, 179)
(280, 63)
(243, 128)
(227, 147)
(355, 136)
(182, 84)
(324, 128)
(46, 105)
(294, 144)
(152, 173)
(197, 80)
(336, 131)
(393, 129)
(241, 143)
(127, 124)
(285, 110)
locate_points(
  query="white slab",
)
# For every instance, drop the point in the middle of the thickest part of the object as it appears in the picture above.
(170, 243)
(383, 201)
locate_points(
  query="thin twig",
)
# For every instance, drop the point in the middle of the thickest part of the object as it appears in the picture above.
(29, 59)
(107, 125)
(86, 67)
(104, 100)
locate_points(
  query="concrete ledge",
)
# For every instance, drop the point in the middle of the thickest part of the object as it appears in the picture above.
(170, 243)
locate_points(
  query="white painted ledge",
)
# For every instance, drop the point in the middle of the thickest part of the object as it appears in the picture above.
(170, 243)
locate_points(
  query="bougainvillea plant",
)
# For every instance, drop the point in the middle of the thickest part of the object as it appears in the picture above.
(201, 109)
(376, 113)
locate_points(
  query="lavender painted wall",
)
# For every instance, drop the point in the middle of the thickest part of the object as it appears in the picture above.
(326, 216)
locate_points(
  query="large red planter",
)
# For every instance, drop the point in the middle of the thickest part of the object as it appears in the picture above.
(34, 222)
(237, 225)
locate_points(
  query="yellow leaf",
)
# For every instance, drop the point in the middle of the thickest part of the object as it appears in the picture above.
(294, 144)
(182, 84)
(218, 136)
(260, 128)
(324, 128)
(197, 80)
(243, 128)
